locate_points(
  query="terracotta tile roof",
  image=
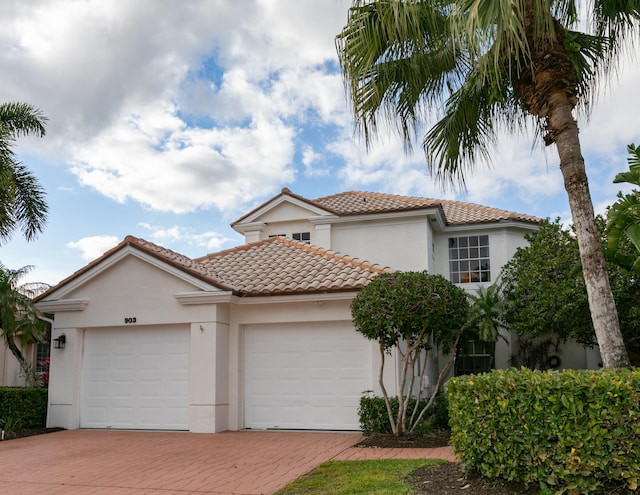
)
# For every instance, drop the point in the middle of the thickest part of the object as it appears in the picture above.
(276, 266)
(455, 212)
(283, 266)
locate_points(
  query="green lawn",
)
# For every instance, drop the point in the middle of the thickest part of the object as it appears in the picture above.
(378, 477)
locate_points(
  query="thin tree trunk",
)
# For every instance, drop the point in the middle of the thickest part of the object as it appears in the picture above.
(384, 392)
(564, 130)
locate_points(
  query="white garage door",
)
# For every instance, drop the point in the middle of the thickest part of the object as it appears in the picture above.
(304, 377)
(135, 378)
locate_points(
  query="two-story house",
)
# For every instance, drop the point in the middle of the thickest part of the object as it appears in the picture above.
(258, 336)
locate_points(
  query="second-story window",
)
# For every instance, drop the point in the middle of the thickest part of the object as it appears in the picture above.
(469, 259)
(302, 237)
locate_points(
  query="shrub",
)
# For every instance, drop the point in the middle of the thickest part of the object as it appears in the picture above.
(374, 418)
(23, 406)
(570, 431)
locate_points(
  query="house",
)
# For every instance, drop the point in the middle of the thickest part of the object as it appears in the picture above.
(11, 374)
(259, 336)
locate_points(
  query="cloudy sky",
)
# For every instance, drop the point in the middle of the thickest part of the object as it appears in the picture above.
(170, 119)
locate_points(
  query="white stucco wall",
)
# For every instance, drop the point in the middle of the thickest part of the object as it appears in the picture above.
(402, 244)
(133, 288)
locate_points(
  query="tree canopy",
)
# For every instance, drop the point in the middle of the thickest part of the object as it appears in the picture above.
(623, 217)
(410, 312)
(546, 296)
(22, 198)
(545, 287)
(20, 321)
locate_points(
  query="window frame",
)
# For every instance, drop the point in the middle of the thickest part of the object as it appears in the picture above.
(469, 258)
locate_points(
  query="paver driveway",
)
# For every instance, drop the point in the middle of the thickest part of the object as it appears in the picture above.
(88, 462)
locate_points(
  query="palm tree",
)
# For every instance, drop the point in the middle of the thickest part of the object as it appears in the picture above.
(486, 314)
(22, 202)
(493, 65)
(623, 218)
(20, 321)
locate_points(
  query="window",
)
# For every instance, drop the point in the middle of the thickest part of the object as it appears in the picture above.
(42, 354)
(302, 237)
(474, 357)
(469, 259)
(297, 236)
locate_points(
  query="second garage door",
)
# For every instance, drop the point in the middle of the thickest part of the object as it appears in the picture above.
(304, 376)
(135, 378)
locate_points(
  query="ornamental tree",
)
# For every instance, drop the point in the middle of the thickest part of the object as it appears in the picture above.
(411, 312)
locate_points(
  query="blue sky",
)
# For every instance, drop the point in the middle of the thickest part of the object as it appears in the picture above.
(170, 119)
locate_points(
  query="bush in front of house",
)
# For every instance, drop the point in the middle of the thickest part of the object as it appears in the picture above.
(575, 431)
(374, 418)
(23, 407)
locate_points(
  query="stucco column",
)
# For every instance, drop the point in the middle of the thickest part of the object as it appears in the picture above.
(64, 380)
(323, 235)
(208, 389)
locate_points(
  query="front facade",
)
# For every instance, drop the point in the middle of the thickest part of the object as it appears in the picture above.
(259, 336)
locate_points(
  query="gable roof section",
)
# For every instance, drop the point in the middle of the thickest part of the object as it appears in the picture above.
(276, 266)
(171, 258)
(285, 195)
(455, 212)
(354, 203)
(280, 266)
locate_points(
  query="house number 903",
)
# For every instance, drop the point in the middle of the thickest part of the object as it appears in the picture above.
(131, 319)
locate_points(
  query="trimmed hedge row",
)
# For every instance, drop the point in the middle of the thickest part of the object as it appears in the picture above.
(23, 407)
(575, 431)
(374, 418)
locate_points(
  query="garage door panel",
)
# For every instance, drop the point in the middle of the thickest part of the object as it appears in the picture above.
(304, 377)
(135, 378)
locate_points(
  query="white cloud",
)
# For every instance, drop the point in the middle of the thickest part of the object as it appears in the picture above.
(168, 236)
(180, 170)
(95, 246)
(126, 82)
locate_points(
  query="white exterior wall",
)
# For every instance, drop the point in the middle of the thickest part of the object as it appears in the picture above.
(402, 244)
(11, 375)
(134, 289)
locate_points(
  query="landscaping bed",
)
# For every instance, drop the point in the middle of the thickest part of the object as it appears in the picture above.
(447, 478)
(29, 432)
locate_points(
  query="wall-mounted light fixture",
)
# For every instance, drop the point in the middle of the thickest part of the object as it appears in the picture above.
(60, 342)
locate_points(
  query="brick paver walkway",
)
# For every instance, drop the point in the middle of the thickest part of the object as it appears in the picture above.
(88, 462)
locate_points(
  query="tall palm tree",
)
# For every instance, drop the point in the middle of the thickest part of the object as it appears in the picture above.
(20, 321)
(493, 65)
(22, 202)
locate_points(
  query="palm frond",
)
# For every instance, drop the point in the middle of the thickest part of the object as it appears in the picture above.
(22, 119)
(397, 60)
(467, 133)
(622, 216)
(30, 207)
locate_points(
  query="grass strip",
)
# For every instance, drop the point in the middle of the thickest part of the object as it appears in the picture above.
(375, 477)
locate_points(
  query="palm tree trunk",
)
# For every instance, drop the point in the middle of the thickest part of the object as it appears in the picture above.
(564, 130)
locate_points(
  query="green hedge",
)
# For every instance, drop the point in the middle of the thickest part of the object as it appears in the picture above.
(374, 418)
(570, 431)
(23, 407)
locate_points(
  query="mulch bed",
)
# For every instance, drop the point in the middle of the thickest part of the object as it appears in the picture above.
(29, 432)
(447, 478)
